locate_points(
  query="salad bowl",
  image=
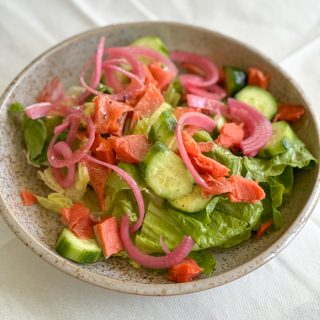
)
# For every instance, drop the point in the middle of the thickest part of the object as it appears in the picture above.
(39, 229)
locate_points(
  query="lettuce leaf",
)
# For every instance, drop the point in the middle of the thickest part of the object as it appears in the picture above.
(35, 136)
(54, 202)
(205, 259)
(297, 156)
(77, 191)
(226, 157)
(208, 229)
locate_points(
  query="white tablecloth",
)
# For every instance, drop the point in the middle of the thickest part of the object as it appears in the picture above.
(288, 287)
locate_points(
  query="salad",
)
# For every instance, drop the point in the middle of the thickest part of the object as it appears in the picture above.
(160, 156)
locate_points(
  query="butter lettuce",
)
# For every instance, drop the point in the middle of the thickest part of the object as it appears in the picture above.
(77, 191)
(205, 259)
(54, 202)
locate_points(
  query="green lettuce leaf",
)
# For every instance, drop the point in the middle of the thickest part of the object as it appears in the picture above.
(247, 212)
(297, 156)
(54, 202)
(226, 157)
(205, 259)
(214, 229)
(35, 136)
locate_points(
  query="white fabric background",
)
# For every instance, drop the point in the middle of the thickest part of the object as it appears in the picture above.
(288, 287)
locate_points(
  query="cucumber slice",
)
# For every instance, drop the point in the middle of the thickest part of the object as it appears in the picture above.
(152, 42)
(202, 136)
(76, 249)
(260, 99)
(235, 79)
(192, 202)
(164, 128)
(166, 174)
(280, 141)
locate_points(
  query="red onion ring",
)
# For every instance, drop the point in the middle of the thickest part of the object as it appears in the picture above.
(165, 248)
(211, 105)
(78, 154)
(38, 110)
(132, 184)
(207, 66)
(202, 121)
(164, 262)
(66, 181)
(257, 126)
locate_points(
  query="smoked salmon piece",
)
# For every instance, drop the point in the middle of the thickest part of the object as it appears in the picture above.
(257, 78)
(163, 77)
(103, 149)
(110, 115)
(289, 112)
(28, 199)
(213, 167)
(180, 111)
(98, 179)
(108, 236)
(131, 148)
(230, 136)
(148, 103)
(263, 228)
(77, 219)
(244, 190)
(185, 271)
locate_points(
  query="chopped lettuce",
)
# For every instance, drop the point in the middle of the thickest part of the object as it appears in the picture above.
(226, 157)
(205, 259)
(54, 202)
(15, 108)
(75, 192)
(35, 136)
(297, 156)
(215, 230)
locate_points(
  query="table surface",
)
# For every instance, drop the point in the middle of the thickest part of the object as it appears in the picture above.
(288, 287)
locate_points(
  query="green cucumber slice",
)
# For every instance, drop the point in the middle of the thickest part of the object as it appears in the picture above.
(78, 250)
(192, 202)
(152, 42)
(280, 141)
(235, 79)
(260, 99)
(166, 174)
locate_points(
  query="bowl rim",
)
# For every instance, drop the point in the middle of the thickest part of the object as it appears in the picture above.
(160, 289)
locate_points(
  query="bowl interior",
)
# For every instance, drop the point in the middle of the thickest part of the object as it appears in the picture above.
(39, 228)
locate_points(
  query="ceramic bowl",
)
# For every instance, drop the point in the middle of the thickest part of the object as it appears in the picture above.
(39, 229)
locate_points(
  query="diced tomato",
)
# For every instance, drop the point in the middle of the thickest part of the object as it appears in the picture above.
(103, 149)
(163, 77)
(257, 78)
(108, 235)
(131, 148)
(52, 92)
(180, 111)
(213, 167)
(109, 115)
(28, 199)
(231, 135)
(149, 102)
(244, 190)
(185, 271)
(98, 179)
(263, 228)
(289, 112)
(206, 146)
(78, 220)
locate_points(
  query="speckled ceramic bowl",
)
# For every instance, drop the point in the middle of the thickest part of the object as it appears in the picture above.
(39, 229)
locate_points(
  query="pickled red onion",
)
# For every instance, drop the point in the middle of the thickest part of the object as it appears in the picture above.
(202, 121)
(66, 181)
(148, 261)
(132, 184)
(206, 65)
(257, 126)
